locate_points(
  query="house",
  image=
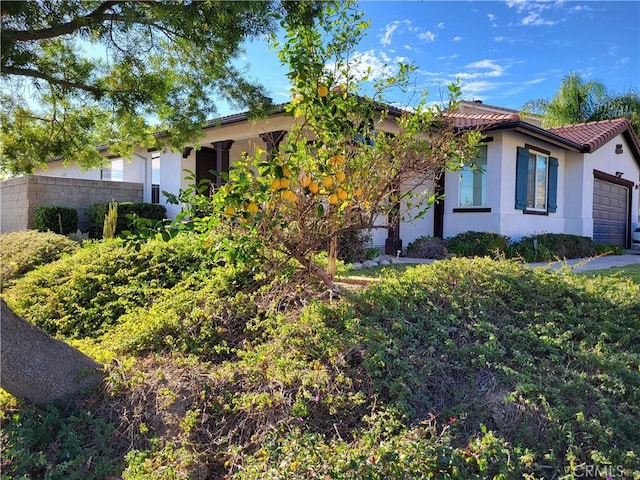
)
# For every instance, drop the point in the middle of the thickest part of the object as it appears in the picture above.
(578, 179)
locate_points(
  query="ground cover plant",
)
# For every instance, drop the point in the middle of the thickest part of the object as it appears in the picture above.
(21, 252)
(466, 368)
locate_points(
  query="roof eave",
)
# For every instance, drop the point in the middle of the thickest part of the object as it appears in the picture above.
(536, 132)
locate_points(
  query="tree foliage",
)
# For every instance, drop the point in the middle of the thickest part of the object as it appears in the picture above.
(79, 74)
(349, 162)
(578, 101)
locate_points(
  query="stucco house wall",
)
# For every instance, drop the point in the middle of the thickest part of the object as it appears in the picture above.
(507, 132)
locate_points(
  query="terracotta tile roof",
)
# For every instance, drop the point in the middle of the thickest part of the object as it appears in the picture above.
(481, 120)
(592, 135)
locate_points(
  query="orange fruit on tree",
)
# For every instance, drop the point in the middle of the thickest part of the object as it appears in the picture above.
(306, 181)
(342, 195)
(252, 208)
(327, 182)
(229, 212)
(275, 185)
(340, 176)
(323, 91)
(357, 192)
(284, 183)
(313, 187)
(289, 195)
(333, 199)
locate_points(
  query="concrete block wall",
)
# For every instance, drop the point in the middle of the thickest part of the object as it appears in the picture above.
(21, 196)
(14, 206)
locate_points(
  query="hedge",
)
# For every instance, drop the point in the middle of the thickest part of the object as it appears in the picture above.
(98, 211)
(63, 220)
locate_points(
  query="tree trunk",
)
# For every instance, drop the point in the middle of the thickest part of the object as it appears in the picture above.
(39, 368)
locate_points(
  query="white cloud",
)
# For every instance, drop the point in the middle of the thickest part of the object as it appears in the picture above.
(532, 11)
(534, 19)
(373, 64)
(441, 25)
(390, 29)
(580, 8)
(483, 68)
(491, 17)
(450, 57)
(498, 39)
(457, 38)
(471, 88)
(428, 36)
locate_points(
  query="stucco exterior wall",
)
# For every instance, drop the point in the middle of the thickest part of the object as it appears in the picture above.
(21, 196)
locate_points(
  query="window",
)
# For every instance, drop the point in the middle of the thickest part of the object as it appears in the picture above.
(473, 182)
(536, 181)
(538, 168)
(155, 177)
(115, 172)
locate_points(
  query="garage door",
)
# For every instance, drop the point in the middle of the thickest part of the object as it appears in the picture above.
(610, 212)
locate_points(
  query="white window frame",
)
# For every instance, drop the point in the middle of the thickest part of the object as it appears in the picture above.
(537, 186)
(476, 170)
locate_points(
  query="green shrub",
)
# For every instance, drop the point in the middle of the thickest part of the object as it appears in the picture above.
(427, 247)
(549, 247)
(98, 211)
(63, 220)
(478, 244)
(47, 444)
(353, 246)
(21, 252)
(85, 293)
(602, 249)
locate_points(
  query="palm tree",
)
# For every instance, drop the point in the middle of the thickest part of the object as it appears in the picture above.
(578, 101)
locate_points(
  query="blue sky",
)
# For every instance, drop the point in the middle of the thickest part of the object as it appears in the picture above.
(505, 53)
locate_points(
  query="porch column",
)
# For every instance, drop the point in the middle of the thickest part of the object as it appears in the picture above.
(273, 139)
(222, 158)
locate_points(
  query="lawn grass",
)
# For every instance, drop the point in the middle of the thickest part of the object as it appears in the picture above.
(377, 272)
(632, 272)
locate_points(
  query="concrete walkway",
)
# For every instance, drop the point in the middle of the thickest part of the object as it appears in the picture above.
(631, 257)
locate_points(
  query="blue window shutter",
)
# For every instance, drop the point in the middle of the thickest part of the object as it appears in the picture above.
(522, 173)
(552, 195)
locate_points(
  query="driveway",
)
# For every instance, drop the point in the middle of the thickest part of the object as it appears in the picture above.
(631, 257)
(581, 264)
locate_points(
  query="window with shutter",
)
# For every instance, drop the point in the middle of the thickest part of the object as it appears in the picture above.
(536, 182)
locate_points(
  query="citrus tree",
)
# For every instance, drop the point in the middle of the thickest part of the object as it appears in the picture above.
(350, 162)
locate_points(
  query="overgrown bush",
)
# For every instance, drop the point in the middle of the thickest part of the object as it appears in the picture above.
(98, 211)
(467, 368)
(353, 246)
(21, 252)
(478, 244)
(428, 247)
(63, 220)
(48, 444)
(548, 247)
(85, 293)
